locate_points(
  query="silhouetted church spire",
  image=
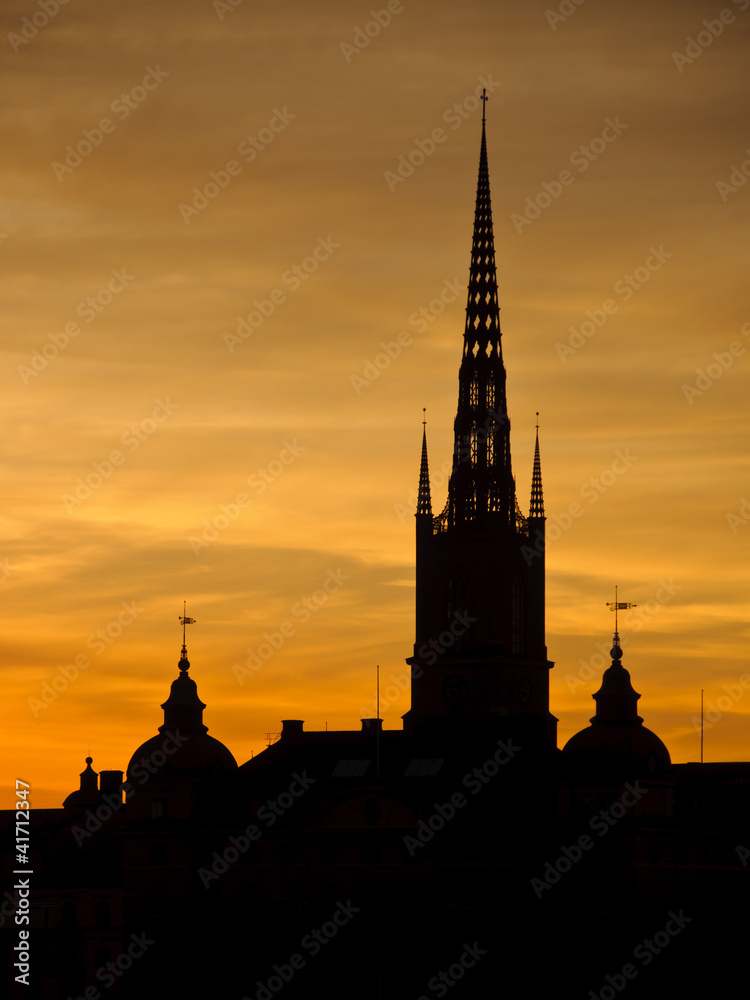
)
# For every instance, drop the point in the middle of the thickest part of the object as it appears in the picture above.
(481, 483)
(537, 498)
(479, 649)
(424, 503)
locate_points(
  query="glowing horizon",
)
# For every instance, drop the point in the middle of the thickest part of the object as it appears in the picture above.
(224, 319)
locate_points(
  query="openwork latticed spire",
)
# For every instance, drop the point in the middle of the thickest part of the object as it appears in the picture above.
(482, 310)
(481, 487)
(537, 498)
(424, 503)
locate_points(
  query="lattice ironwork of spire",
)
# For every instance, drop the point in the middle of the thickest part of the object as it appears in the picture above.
(424, 503)
(481, 485)
(537, 497)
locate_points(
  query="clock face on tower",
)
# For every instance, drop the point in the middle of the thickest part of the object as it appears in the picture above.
(455, 690)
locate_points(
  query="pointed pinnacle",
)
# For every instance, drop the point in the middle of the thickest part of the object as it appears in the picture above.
(424, 503)
(482, 310)
(537, 499)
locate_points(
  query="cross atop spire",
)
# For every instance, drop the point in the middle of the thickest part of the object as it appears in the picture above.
(484, 98)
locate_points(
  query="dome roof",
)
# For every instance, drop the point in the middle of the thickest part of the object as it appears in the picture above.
(629, 742)
(617, 736)
(183, 742)
(88, 793)
(179, 749)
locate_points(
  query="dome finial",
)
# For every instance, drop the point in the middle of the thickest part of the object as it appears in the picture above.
(184, 663)
(616, 651)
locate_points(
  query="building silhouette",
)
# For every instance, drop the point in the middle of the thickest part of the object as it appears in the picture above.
(463, 855)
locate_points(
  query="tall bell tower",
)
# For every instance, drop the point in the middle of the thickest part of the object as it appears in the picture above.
(480, 649)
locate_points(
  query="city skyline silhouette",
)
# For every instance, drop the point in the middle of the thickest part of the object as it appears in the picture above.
(163, 375)
(231, 428)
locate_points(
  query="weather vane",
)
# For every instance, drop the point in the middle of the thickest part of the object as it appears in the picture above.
(185, 621)
(618, 606)
(484, 98)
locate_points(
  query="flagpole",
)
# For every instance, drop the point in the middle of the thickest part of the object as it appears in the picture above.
(377, 726)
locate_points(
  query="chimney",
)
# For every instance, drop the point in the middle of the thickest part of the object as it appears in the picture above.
(291, 728)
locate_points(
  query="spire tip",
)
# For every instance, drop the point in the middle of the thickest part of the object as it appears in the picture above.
(184, 663)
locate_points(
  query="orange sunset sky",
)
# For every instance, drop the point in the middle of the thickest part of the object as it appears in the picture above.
(169, 167)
